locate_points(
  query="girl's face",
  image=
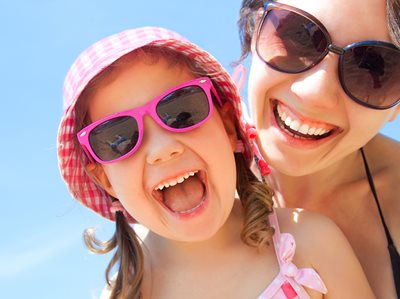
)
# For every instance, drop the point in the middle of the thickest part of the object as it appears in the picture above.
(198, 165)
(315, 98)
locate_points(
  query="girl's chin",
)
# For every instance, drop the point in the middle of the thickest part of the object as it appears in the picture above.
(195, 233)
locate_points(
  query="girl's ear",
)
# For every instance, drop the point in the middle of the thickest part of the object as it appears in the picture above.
(228, 118)
(97, 173)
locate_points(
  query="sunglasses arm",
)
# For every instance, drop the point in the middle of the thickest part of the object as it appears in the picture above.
(215, 93)
(87, 154)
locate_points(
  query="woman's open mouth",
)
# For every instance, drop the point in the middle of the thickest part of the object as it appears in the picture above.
(300, 129)
(184, 194)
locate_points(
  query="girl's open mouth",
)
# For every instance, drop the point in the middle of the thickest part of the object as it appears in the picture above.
(184, 194)
(298, 128)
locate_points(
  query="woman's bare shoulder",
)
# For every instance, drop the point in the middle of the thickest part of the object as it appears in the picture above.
(386, 154)
(384, 151)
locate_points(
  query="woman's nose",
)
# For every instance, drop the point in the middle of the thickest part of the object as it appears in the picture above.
(320, 85)
(161, 145)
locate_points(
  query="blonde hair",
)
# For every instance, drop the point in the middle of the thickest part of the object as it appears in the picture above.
(255, 196)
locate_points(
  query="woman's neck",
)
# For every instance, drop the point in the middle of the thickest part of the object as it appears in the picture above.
(312, 189)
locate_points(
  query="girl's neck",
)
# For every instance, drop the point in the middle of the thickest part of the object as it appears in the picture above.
(309, 190)
(226, 239)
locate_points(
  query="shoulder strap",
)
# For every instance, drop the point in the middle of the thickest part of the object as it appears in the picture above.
(373, 190)
(273, 221)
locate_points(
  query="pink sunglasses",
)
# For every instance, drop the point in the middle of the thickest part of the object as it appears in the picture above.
(179, 109)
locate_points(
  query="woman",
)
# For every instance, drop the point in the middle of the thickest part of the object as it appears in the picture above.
(133, 145)
(324, 79)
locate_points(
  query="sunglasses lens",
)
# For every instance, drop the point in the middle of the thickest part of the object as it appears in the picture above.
(114, 138)
(184, 108)
(371, 74)
(290, 42)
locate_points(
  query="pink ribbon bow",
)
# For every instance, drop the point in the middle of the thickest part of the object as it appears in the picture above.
(306, 276)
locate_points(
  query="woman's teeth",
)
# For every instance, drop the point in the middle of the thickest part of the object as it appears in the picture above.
(297, 126)
(173, 182)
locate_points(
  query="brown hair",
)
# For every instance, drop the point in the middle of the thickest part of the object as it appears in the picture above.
(248, 17)
(247, 24)
(254, 195)
(393, 19)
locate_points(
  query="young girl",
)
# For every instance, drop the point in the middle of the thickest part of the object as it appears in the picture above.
(152, 134)
(324, 80)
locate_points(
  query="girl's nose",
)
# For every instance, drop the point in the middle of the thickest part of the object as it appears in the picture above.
(320, 85)
(161, 145)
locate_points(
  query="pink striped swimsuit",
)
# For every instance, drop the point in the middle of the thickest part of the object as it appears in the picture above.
(289, 282)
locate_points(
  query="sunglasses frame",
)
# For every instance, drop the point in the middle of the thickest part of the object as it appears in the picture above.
(149, 108)
(269, 5)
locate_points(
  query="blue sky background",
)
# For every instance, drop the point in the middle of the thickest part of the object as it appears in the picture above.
(41, 253)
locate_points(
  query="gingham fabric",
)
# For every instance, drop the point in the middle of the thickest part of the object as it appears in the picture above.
(95, 59)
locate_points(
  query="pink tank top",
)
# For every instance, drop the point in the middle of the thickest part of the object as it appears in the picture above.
(290, 281)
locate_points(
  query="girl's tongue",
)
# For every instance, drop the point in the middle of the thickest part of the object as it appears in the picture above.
(186, 196)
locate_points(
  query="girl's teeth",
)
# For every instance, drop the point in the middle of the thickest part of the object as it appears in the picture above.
(175, 181)
(296, 125)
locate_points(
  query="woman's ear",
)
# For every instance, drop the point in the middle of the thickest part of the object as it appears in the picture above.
(97, 173)
(228, 118)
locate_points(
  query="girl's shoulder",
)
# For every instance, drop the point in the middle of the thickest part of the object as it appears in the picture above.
(316, 235)
(311, 230)
(321, 245)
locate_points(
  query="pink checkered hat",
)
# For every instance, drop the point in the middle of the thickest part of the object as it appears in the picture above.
(91, 62)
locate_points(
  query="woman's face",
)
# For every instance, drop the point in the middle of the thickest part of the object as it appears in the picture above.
(314, 100)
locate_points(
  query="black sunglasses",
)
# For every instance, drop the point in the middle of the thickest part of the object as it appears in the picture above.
(292, 41)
